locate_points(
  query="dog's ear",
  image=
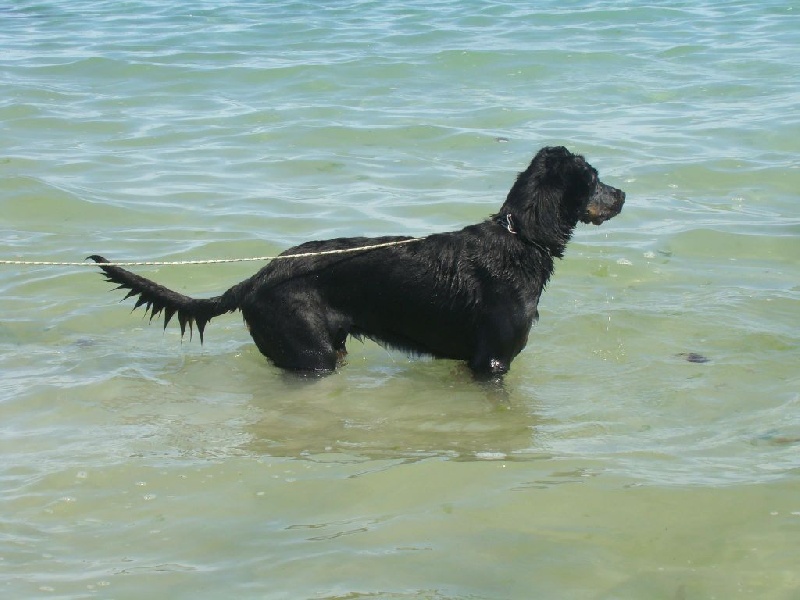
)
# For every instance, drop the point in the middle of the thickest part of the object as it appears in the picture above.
(561, 167)
(555, 160)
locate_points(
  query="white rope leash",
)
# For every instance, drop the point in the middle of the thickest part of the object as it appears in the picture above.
(156, 263)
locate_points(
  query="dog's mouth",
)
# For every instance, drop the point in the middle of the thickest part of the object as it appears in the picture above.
(604, 204)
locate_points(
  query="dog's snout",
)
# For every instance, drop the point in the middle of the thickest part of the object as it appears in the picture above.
(605, 203)
(615, 196)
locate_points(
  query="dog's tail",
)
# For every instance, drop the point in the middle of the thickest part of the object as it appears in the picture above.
(156, 299)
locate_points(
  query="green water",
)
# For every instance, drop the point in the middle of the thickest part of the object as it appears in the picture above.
(136, 464)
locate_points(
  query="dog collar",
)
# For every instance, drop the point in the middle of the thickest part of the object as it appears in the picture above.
(507, 222)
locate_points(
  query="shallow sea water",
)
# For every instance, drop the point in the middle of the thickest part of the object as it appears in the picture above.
(646, 443)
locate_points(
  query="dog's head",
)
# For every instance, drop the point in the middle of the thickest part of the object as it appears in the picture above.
(555, 192)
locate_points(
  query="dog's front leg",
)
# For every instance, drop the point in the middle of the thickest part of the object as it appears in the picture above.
(500, 338)
(489, 368)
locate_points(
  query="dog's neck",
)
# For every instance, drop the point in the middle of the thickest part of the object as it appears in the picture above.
(506, 221)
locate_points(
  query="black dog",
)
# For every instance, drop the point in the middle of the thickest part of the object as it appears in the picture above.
(467, 295)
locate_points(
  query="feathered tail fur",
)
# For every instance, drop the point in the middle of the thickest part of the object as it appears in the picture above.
(157, 299)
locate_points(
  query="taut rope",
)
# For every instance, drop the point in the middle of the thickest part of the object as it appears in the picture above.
(216, 261)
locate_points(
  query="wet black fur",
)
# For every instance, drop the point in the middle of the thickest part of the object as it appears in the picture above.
(469, 295)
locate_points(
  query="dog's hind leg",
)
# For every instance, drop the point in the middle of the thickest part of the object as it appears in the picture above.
(299, 340)
(296, 346)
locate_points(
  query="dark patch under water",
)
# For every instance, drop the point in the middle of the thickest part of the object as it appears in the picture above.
(693, 357)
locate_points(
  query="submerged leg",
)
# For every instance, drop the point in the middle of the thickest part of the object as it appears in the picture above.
(297, 339)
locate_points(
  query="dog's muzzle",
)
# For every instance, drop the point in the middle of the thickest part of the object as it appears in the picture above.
(605, 203)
